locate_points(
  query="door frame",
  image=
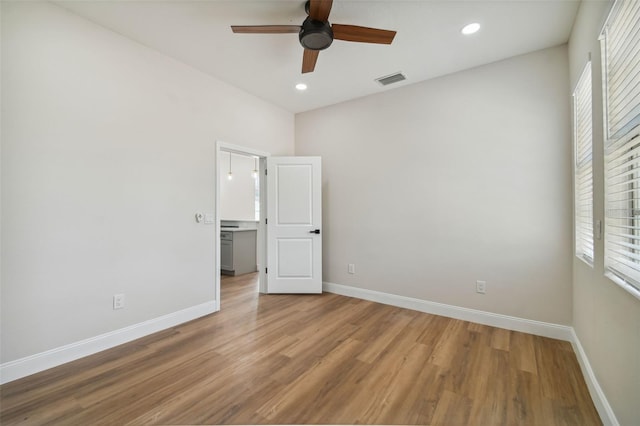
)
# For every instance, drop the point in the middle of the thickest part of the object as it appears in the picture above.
(261, 255)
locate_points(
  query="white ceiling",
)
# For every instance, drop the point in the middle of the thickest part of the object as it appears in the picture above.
(428, 43)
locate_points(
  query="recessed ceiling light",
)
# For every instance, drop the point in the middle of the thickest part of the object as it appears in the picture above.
(470, 29)
(301, 86)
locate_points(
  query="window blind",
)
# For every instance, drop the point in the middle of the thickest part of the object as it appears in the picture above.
(622, 215)
(621, 56)
(621, 81)
(583, 178)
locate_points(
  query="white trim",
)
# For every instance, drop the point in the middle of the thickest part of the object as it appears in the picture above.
(238, 149)
(32, 364)
(623, 284)
(539, 328)
(605, 411)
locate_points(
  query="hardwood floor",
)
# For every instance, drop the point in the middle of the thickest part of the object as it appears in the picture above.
(330, 359)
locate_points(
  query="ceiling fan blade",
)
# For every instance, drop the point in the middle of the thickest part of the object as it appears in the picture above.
(362, 34)
(320, 9)
(265, 29)
(309, 59)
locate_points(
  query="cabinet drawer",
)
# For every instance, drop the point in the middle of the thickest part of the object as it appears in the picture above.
(226, 235)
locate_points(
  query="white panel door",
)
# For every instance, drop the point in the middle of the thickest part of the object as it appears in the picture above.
(294, 213)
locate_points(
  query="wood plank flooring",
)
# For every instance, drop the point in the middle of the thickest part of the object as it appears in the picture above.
(310, 359)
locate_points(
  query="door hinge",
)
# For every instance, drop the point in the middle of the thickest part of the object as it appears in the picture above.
(266, 220)
(266, 270)
(265, 172)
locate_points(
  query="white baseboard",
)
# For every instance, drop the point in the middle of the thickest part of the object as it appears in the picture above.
(23, 367)
(605, 411)
(538, 328)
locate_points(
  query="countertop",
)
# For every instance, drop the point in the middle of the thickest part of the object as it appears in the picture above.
(225, 229)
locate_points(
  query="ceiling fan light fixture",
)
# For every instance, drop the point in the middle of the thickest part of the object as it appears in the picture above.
(470, 28)
(315, 35)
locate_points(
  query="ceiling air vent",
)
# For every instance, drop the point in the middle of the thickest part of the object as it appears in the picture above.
(390, 79)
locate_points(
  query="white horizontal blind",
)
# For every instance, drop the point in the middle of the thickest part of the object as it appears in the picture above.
(583, 179)
(621, 80)
(622, 215)
(621, 56)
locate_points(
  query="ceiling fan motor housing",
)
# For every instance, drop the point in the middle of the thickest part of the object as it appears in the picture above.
(315, 35)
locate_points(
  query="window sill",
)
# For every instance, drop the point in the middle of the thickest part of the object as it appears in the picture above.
(586, 260)
(622, 283)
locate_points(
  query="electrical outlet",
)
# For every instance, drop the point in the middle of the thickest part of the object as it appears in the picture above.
(352, 268)
(481, 287)
(118, 301)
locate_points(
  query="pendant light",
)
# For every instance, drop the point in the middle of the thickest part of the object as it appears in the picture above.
(230, 175)
(254, 173)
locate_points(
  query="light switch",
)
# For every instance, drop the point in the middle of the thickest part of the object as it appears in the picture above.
(209, 218)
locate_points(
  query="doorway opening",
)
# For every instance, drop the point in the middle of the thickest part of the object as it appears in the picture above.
(240, 213)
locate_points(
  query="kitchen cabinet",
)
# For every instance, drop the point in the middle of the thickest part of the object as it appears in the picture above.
(238, 251)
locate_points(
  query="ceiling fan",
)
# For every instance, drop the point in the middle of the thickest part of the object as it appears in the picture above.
(316, 33)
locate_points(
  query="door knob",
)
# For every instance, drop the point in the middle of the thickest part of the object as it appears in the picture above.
(315, 231)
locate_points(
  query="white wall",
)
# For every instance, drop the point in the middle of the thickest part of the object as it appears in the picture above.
(605, 317)
(107, 152)
(238, 195)
(467, 177)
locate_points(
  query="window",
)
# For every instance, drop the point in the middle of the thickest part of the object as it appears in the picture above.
(621, 56)
(621, 80)
(583, 178)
